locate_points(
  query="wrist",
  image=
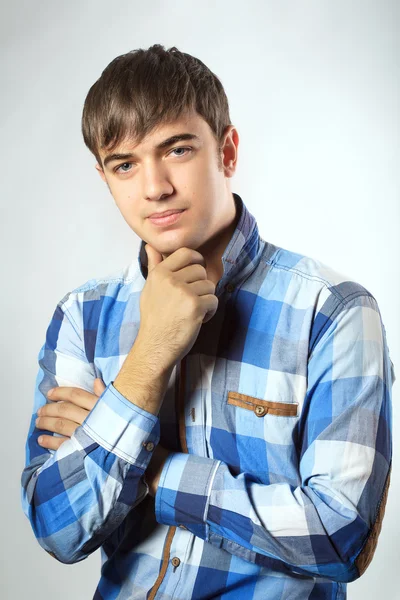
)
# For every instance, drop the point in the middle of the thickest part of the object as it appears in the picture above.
(154, 361)
(140, 385)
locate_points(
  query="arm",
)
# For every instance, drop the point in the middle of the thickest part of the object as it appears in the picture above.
(77, 495)
(328, 525)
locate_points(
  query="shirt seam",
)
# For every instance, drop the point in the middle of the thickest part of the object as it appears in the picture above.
(73, 323)
(329, 285)
(114, 449)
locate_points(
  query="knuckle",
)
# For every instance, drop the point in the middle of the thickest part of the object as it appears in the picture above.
(172, 279)
(74, 394)
(202, 273)
(60, 424)
(62, 407)
(185, 251)
(189, 253)
(211, 286)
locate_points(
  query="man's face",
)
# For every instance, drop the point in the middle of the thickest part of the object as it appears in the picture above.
(182, 174)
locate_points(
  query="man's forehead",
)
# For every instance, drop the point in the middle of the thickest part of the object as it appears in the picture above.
(189, 124)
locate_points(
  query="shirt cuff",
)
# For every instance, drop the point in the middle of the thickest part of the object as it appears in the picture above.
(183, 493)
(123, 428)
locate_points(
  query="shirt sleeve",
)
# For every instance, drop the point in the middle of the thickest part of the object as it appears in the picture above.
(329, 524)
(77, 495)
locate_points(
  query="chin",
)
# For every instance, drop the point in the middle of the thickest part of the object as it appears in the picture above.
(170, 246)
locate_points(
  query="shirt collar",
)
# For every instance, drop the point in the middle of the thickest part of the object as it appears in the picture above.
(243, 249)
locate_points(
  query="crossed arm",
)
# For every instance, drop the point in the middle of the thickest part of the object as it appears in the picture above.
(326, 526)
(68, 408)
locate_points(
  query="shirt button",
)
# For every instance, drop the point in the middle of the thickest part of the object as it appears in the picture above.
(149, 446)
(229, 287)
(260, 410)
(175, 561)
(182, 527)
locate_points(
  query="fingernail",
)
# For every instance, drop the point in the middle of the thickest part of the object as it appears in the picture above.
(40, 439)
(49, 393)
(39, 412)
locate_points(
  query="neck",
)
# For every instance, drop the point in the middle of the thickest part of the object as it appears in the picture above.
(214, 247)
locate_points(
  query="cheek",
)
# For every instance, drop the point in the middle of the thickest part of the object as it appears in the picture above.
(128, 207)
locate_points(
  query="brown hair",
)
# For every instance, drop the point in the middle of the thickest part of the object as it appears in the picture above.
(141, 89)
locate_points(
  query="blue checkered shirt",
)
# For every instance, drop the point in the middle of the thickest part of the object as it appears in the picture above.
(279, 421)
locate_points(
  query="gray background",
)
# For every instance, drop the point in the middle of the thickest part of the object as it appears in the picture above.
(314, 92)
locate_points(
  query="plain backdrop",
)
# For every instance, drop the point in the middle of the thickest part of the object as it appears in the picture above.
(313, 89)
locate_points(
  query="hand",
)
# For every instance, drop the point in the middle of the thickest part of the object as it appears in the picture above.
(70, 408)
(176, 300)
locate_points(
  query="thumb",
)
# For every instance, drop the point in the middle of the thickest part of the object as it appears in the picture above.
(153, 257)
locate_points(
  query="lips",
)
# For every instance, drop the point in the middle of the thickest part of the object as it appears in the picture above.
(166, 213)
(167, 218)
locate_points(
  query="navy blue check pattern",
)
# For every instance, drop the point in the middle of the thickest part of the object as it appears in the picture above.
(279, 486)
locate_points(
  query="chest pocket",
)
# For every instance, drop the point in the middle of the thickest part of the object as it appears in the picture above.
(257, 436)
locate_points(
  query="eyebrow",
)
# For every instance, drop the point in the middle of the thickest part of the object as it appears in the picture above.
(180, 137)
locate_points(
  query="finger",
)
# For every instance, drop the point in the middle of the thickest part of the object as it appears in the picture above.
(99, 386)
(192, 273)
(51, 442)
(183, 257)
(209, 304)
(153, 257)
(57, 425)
(75, 395)
(202, 287)
(65, 410)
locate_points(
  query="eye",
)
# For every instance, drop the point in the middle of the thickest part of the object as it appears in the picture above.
(123, 165)
(181, 148)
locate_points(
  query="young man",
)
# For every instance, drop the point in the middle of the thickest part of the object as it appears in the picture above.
(240, 446)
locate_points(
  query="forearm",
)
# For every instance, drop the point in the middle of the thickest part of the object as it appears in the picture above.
(114, 437)
(143, 378)
(289, 529)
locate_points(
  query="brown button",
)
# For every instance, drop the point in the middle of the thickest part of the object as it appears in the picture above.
(175, 561)
(260, 410)
(149, 446)
(229, 287)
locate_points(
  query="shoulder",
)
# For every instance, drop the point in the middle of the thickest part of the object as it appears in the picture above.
(311, 275)
(336, 301)
(117, 284)
(313, 291)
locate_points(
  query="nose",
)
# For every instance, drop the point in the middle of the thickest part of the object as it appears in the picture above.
(155, 181)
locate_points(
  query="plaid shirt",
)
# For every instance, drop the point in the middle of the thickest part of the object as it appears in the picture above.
(279, 419)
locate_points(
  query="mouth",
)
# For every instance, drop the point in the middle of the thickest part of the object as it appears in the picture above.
(167, 219)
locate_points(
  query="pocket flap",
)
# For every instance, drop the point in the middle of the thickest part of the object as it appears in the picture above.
(263, 407)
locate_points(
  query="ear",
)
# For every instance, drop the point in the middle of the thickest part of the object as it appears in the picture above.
(230, 150)
(100, 171)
